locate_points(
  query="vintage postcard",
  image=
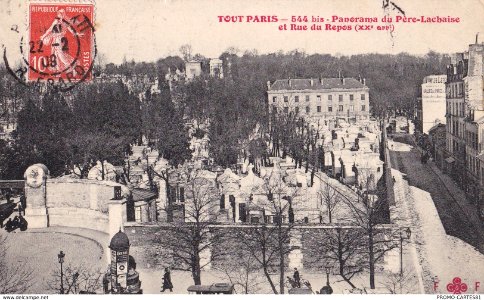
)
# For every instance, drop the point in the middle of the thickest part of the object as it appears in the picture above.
(242, 147)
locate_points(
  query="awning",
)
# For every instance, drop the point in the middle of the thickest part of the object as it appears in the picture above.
(449, 160)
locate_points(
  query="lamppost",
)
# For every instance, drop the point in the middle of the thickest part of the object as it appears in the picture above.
(404, 234)
(327, 268)
(327, 289)
(61, 256)
(74, 281)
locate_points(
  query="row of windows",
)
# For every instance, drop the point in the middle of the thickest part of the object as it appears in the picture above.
(341, 108)
(455, 90)
(472, 140)
(318, 97)
(456, 109)
(473, 164)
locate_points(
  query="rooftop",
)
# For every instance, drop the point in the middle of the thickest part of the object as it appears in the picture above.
(119, 241)
(316, 84)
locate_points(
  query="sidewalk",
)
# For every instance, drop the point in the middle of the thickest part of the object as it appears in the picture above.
(469, 210)
(152, 280)
(439, 254)
(458, 195)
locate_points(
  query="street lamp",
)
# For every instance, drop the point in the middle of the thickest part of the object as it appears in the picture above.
(74, 279)
(327, 289)
(404, 234)
(328, 269)
(61, 256)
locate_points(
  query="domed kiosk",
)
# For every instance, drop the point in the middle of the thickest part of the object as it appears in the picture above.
(122, 276)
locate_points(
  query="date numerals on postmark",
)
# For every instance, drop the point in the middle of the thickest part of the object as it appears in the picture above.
(39, 49)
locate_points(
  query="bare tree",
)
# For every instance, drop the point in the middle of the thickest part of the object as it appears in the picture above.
(75, 279)
(267, 243)
(243, 272)
(343, 248)
(191, 241)
(186, 51)
(15, 277)
(329, 198)
(399, 283)
(368, 215)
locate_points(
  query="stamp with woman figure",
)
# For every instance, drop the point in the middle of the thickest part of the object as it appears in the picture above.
(60, 43)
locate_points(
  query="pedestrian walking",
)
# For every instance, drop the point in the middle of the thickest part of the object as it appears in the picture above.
(20, 209)
(297, 278)
(167, 285)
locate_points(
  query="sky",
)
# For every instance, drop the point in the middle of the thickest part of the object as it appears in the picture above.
(147, 30)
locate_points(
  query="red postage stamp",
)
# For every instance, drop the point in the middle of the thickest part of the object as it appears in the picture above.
(60, 42)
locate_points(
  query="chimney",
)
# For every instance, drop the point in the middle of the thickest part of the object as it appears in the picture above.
(290, 83)
(344, 80)
(339, 74)
(364, 81)
(268, 85)
(312, 82)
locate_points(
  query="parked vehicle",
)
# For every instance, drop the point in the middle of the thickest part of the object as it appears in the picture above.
(216, 288)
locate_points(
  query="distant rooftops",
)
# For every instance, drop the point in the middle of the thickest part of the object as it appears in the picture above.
(317, 84)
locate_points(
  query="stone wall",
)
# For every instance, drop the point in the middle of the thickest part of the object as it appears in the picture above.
(79, 203)
(305, 246)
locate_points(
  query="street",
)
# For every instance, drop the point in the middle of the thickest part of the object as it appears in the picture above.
(455, 220)
(445, 236)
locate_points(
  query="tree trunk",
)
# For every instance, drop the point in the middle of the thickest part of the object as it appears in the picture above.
(372, 262)
(268, 276)
(281, 256)
(197, 280)
(330, 215)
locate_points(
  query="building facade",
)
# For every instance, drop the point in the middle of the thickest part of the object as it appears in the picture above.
(193, 69)
(465, 122)
(431, 108)
(323, 100)
(216, 68)
(455, 114)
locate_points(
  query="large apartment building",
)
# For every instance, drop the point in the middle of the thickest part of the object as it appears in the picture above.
(323, 100)
(465, 122)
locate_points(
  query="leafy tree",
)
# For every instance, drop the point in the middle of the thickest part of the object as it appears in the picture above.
(173, 139)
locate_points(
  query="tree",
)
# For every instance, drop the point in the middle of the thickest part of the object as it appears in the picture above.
(15, 277)
(84, 149)
(173, 139)
(367, 215)
(263, 242)
(75, 279)
(400, 283)
(329, 198)
(242, 271)
(192, 240)
(186, 51)
(267, 243)
(343, 248)
(171, 135)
